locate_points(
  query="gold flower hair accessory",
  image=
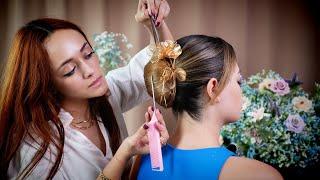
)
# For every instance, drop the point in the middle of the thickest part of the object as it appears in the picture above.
(167, 49)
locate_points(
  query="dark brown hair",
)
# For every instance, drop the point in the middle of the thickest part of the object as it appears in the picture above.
(202, 58)
(29, 100)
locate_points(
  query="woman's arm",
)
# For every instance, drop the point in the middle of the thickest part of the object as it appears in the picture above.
(126, 84)
(135, 144)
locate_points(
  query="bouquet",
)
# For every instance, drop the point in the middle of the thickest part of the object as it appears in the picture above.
(278, 124)
(107, 47)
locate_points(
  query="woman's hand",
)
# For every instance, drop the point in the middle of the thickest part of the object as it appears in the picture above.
(135, 144)
(138, 143)
(158, 9)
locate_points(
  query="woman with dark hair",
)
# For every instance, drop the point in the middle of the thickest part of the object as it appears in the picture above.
(201, 82)
(60, 118)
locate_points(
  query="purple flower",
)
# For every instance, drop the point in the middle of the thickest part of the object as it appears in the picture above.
(295, 123)
(280, 87)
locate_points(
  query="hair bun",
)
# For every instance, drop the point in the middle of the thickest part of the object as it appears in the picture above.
(163, 69)
(180, 74)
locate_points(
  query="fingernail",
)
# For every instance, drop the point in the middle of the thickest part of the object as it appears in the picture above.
(145, 126)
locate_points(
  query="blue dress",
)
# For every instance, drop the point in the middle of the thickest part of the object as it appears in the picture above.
(186, 164)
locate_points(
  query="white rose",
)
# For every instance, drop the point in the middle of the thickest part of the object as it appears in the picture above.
(258, 114)
(265, 84)
(301, 103)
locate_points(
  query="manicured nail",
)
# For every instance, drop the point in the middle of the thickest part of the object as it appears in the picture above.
(145, 126)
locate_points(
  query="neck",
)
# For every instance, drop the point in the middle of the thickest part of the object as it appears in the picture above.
(195, 134)
(79, 108)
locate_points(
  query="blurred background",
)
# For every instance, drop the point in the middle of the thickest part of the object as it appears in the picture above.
(282, 35)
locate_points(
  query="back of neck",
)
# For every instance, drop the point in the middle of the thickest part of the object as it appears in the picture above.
(194, 134)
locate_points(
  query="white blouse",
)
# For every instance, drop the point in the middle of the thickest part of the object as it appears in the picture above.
(81, 158)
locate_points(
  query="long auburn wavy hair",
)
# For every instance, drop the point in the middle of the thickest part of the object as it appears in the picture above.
(29, 100)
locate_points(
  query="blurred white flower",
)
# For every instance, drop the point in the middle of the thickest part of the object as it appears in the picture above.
(301, 103)
(245, 103)
(257, 114)
(266, 84)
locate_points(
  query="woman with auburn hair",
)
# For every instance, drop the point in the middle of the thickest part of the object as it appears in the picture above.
(60, 118)
(201, 82)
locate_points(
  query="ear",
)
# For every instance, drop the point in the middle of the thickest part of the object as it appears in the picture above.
(211, 89)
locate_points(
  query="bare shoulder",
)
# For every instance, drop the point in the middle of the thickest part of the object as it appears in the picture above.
(244, 168)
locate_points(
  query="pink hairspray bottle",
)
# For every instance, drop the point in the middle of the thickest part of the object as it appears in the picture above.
(154, 139)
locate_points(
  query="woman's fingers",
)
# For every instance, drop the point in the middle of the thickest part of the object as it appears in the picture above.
(167, 9)
(164, 135)
(160, 15)
(142, 12)
(158, 9)
(163, 141)
(160, 117)
(150, 110)
(163, 130)
(147, 117)
(163, 12)
(141, 132)
(151, 8)
(146, 14)
(144, 141)
(157, 6)
(149, 114)
(160, 125)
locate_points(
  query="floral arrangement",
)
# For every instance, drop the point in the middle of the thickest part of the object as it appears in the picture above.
(107, 47)
(278, 124)
(316, 98)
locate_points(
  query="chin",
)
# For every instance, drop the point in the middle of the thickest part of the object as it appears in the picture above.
(234, 118)
(99, 92)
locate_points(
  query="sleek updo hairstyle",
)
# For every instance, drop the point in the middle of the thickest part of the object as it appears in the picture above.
(180, 83)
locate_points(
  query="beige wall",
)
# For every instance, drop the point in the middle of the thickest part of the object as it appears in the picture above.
(270, 34)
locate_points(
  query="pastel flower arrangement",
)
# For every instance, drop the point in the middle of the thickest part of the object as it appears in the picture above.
(316, 98)
(278, 124)
(108, 46)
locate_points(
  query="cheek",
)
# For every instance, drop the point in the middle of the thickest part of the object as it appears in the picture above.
(96, 64)
(70, 86)
(235, 95)
(236, 100)
(238, 96)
